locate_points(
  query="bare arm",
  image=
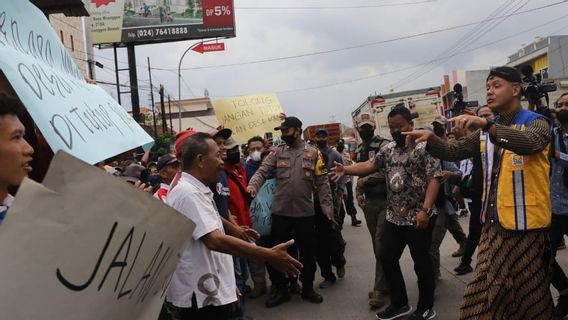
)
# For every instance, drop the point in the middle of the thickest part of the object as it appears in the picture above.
(276, 256)
(431, 193)
(360, 169)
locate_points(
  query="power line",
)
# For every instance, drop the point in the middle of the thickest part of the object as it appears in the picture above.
(375, 75)
(364, 45)
(466, 41)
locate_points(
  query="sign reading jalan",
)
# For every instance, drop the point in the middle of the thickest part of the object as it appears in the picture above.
(152, 21)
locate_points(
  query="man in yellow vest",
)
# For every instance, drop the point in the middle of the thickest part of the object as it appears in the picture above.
(512, 275)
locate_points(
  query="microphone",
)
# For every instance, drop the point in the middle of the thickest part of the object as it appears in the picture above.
(527, 71)
(458, 88)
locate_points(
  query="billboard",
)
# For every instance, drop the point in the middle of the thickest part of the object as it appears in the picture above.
(151, 21)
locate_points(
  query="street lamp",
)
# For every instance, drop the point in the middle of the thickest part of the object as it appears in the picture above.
(179, 82)
(179, 74)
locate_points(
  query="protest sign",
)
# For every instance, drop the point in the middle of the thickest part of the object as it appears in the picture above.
(249, 116)
(261, 208)
(79, 118)
(86, 245)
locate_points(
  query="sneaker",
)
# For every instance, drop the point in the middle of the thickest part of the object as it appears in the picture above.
(341, 272)
(326, 284)
(309, 294)
(463, 269)
(392, 312)
(423, 314)
(276, 298)
(561, 309)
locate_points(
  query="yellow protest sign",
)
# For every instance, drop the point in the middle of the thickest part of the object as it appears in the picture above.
(249, 116)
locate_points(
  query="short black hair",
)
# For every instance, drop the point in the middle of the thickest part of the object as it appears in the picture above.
(193, 146)
(255, 138)
(10, 105)
(402, 111)
(561, 96)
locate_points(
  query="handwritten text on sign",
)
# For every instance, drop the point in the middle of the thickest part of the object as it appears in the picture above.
(96, 254)
(74, 116)
(249, 116)
(261, 208)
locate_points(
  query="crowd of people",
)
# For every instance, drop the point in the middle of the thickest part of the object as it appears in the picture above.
(501, 164)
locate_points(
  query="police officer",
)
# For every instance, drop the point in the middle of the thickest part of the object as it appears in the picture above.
(371, 194)
(299, 170)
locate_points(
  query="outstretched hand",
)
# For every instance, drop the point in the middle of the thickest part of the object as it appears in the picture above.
(337, 172)
(417, 136)
(469, 122)
(283, 262)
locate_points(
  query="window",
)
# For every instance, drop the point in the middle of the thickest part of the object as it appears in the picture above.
(72, 44)
(61, 36)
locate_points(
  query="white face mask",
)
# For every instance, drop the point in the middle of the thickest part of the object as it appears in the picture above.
(255, 156)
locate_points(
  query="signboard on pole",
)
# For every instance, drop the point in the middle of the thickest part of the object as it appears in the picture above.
(209, 47)
(249, 116)
(86, 245)
(153, 21)
(79, 118)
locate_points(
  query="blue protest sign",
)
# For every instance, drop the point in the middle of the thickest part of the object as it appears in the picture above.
(261, 208)
(79, 118)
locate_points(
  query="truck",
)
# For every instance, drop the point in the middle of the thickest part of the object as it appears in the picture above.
(334, 130)
(425, 104)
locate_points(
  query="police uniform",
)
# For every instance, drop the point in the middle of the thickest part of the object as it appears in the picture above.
(299, 171)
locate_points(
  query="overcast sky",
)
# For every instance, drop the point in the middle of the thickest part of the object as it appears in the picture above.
(265, 34)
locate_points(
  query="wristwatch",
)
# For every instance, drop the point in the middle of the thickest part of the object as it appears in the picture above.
(429, 211)
(488, 126)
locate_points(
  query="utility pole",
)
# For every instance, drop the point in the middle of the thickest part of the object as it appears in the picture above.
(170, 112)
(163, 108)
(134, 99)
(152, 97)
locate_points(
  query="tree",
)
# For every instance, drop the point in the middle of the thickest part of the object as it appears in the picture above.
(190, 5)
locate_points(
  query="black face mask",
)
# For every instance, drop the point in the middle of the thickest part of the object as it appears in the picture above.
(321, 144)
(233, 158)
(562, 116)
(367, 135)
(439, 131)
(289, 140)
(399, 138)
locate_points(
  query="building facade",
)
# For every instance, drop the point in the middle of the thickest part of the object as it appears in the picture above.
(548, 57)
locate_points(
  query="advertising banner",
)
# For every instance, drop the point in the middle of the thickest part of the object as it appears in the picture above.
(249, 116)
(74, 116)
(86, 245)
(151, 21)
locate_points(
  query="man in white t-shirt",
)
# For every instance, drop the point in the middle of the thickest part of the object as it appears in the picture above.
(15, 152)
(203, 285)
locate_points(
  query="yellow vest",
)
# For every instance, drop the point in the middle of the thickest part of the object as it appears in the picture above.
(523, 184)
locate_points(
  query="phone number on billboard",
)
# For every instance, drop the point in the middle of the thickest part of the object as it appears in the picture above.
(151, 32)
